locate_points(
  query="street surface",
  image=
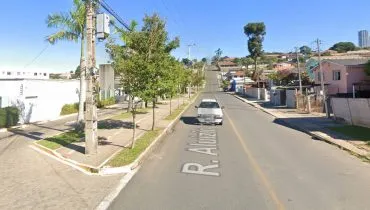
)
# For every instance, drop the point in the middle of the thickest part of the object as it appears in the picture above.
(251, 162)
(31, 180)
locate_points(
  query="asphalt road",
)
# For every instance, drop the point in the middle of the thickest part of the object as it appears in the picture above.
(251, 162)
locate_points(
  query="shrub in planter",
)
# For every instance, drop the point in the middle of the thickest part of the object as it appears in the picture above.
(9, 116)
(69, 109)
(106, 102)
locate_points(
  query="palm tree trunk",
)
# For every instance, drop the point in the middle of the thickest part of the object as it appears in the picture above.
(82, 95)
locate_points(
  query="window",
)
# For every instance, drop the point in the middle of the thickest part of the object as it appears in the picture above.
(319, 76)
(45, 74)
(336, 75)
(18, 73)
(210, 105)
(35, 74)
(9, 73)
(3, 72)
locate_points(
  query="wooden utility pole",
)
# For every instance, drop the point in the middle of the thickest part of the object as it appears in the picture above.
(299, 72)
(318, 42)
(91, 140)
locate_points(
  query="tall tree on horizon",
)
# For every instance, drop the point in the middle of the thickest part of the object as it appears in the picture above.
(256, 33)
(71, 27)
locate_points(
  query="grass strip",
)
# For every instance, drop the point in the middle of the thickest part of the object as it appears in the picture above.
(126, 115)
(127, 155)
(176, 112)
(60, 140)
(355, 132)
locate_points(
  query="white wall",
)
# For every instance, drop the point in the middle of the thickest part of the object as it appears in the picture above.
(291, 99)
(40, 99)
(354, 111)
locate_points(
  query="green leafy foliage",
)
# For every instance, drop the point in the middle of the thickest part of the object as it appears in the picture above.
(255, 33)
(106, 102)
(305, 50)
(367, 68)
(9, 116)
(342, 47)
(69, 109)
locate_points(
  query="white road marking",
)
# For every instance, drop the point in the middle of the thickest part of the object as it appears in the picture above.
(196, 168)
(203, 150)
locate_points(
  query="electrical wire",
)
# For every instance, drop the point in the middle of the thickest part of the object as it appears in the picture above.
(113, 13)
(37, 56)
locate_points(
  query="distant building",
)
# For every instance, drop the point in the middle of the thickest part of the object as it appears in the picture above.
(23, 74)
(363, 38)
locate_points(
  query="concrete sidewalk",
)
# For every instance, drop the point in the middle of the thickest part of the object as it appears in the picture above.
(114, 135)
(33, 180)
(316, 125)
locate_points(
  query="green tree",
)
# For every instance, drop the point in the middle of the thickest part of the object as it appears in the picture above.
(204, 60)
(305, 50)
(218, 53)
(256, 33)
(186, 61)
(367, 68)
(342, 47)
(71, 27)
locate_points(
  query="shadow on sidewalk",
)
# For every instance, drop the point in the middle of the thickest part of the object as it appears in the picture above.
(115, 124)
(312, 124)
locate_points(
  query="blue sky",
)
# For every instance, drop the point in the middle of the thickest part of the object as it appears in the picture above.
(208, 24)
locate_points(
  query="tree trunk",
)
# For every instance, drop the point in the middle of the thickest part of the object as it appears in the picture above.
(82, 94)
(171, 104)
(153, 124)
(134, 128)
(146, 104)
(129, 106)
(178, 97)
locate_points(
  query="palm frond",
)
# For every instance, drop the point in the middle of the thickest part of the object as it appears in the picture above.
(60, 20)
(62, 35)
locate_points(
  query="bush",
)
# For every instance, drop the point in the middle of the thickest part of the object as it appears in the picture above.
(9, 116)
(69, 109)
(106, 102)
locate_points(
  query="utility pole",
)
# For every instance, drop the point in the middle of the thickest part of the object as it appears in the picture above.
(318, 42)
(299, 71)
(91, 146)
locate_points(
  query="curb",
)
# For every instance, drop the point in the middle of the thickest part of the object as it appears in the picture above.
(135, 166)
(319, 135)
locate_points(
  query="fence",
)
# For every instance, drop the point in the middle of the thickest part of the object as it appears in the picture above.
(354, 111)
(309, 103)
(254, 92)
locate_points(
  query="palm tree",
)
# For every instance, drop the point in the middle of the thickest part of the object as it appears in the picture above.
(71, 27)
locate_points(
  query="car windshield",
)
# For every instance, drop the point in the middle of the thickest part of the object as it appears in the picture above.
(209, 105)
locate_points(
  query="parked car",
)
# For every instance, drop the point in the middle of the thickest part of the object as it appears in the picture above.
(210, 112)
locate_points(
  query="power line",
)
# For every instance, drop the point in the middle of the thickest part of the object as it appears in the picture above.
(113, 13)
(37, 56)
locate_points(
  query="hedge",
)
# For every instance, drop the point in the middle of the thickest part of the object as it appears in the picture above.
(9, 116)
(106, 102)
(69, 109)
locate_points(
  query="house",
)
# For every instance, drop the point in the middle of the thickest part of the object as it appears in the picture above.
(231, 74)
(341, 74)
(227, 64)
(282, 66)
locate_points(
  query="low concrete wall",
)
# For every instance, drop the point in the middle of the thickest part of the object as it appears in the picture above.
(38, 100)
(291, 99)
(355, 111)
(253, 93)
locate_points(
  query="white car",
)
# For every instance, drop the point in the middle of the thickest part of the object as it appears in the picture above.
(210, 112)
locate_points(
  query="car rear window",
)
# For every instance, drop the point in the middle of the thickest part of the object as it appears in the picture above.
(209, 105)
